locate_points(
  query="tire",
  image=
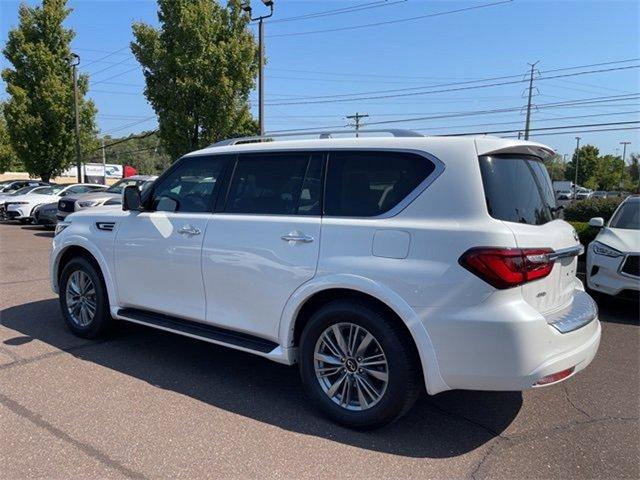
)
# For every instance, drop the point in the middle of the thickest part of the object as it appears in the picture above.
(101, 319)
(403, 373)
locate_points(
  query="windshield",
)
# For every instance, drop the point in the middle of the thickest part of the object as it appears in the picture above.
(21, 191)
(47, 190)
(627, 216)
(518, 189)
(119, 186)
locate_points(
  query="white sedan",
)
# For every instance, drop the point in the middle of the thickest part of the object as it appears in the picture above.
(613, 258)
(21, 207)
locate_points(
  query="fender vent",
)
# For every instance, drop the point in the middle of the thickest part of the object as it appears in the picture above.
(106, 226)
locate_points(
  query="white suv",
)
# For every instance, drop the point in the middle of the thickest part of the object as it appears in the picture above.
(378, 264)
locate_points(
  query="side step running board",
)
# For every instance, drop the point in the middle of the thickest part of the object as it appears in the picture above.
(197, 329)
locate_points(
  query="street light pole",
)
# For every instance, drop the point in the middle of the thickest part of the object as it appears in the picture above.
(575, 181)
(74, 61)
(624, 154)
(246, 6)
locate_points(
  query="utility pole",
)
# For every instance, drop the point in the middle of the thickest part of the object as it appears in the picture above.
(624, 154)
(246, 6)
(74, 61)
(356, 118)
(575, 181)
(104, 165)
(528, 121)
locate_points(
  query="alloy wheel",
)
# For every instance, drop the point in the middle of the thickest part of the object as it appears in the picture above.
(351, 366)
(81, 298)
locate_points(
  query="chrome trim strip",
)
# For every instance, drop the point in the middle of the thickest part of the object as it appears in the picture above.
(567, 252)
(582, 311)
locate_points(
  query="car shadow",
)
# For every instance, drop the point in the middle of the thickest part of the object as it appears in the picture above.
(617, 310)
(40, 231)
(441, 426)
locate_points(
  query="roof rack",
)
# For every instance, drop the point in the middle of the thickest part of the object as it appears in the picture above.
(320, 134)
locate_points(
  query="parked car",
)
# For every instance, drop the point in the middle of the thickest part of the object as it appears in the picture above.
(613, 258)
(21, 207)
(564, 195)
(9, 186)
(4, 197)
(110, 196)
(583, 194)
(46, 214)
(378, 265)
(600, 194)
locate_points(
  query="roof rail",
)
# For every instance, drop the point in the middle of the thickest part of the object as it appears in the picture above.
(320, 134)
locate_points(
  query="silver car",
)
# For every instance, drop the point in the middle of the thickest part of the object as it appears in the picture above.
(110, 196)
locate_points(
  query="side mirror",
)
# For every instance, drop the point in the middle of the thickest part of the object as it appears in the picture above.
(131, 198)
(596, 222)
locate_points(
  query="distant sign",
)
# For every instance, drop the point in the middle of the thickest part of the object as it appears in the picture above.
(93, 171)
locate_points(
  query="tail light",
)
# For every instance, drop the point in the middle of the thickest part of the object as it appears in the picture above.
(555, 377)
(508, 267)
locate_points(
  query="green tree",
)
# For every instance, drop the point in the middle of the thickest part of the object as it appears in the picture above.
(587, 164)
(8, 158)
(199, 68)
(555, 167)
(141, 151)
(39, 112)
(609, 174)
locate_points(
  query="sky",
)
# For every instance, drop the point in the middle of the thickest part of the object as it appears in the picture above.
(377, 58)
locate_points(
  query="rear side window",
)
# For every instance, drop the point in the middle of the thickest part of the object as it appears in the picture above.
(271, 184)
(517, 189)
(367, 184)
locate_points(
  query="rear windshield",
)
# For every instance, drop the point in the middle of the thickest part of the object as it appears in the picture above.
(518, 189)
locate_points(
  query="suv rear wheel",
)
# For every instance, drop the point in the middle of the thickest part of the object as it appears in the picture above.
(358, 366)
(83, 299)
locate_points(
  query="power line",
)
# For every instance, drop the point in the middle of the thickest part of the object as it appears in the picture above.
(495, 132)
(338, 11)
(585, 131)
(489, 124)
(455, 89)
(389, 22)
(99, 60)
(445, 115)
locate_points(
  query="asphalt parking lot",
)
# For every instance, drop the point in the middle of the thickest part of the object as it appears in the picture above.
(148, 404)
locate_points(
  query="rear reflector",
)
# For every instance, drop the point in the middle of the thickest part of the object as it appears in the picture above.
(507, 267)
(555, 377)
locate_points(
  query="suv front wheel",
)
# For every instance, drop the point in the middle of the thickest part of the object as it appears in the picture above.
(358, 365)
(83, 299)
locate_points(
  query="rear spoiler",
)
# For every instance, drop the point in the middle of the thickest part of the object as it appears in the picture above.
(494, 146)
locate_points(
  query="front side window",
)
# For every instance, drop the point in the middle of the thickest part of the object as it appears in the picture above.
(271, 184)
(367, 184)
(517, 189)
(190, 187)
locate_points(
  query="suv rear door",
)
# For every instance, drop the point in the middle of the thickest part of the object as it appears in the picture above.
(263, 241)
(519, 192)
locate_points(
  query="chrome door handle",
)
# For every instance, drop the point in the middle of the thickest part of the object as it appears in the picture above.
(297, 237)
(189, 230)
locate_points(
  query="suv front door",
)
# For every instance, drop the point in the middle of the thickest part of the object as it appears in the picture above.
(265, 241)
(158, 250)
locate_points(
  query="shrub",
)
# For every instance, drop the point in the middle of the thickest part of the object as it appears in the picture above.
(582, 211)
(585, 232)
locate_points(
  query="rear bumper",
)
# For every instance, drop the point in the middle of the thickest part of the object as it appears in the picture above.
(505, 344)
